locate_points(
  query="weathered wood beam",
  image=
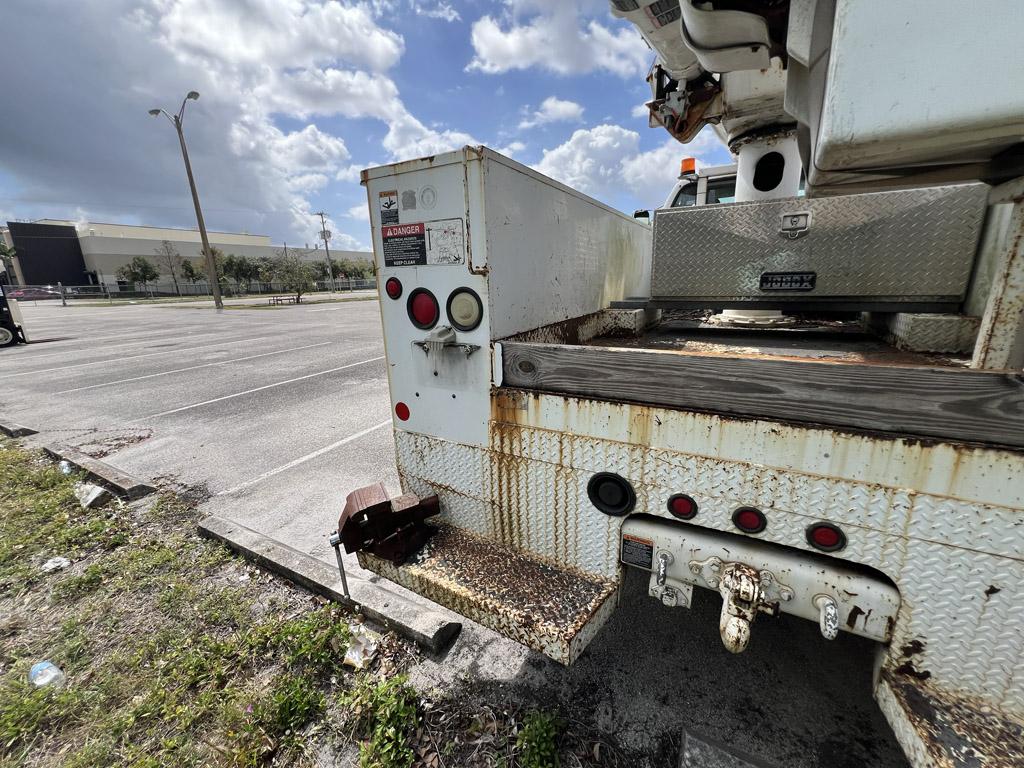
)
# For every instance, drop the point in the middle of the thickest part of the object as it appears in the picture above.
(946, 404)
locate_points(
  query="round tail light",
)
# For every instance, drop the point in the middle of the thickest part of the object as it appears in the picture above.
(402, 411)
(682, 506)
(611, 494)
(393, 287)
(423, 309)
(826, 537)
(749, 520)
(465, 310)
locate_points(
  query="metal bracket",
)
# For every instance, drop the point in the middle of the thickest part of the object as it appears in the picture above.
(795, 224)
(442, 338)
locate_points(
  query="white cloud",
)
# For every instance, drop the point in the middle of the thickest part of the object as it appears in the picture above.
(640, 110)
(554, 110)
(407, 137)
(512, 149)
(605, 160)
(562, 37)
(439, 10)
(360, 212)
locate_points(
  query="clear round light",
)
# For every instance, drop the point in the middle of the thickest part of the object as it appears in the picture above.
(464, 309)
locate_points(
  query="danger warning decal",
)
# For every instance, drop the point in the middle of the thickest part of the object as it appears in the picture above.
(432, 242)
(637, 551)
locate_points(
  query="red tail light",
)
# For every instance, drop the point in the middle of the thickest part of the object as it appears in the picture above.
(423, 309)
(393, 287)
(402, 411)
(682, 506)
(826, 537)
(749, 520)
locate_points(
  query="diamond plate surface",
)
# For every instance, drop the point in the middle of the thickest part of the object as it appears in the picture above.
(921, 332)
(958, 564)
(900, 245)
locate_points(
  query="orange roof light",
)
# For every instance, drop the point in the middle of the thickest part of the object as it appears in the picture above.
(689, 165)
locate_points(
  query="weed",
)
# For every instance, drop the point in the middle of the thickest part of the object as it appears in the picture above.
(537, 740)
(384, 715)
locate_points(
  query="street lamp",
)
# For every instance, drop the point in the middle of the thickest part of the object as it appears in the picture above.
(211, 267)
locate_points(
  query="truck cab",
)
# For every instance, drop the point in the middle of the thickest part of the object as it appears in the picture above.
(714, 184)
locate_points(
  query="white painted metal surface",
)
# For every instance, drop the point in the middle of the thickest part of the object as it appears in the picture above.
(522, 236)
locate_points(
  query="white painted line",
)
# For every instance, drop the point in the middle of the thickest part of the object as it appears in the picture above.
(328, 309)
(194, 367)
(133, 357)
(304, 459)
(144, 340)
(257, 389)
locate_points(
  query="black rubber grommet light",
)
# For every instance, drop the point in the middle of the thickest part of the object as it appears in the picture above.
(409, 309)
(840, 541)
(742, 516)
(671, 505)
(448, 309)
(611, 494)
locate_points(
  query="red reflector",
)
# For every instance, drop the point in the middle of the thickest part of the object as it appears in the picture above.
(826, 537)
(393, 286)
(423, 309)
(402, 411)
(682, 506)
(749, 520)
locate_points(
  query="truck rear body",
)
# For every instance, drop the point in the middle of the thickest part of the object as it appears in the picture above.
(888, 483)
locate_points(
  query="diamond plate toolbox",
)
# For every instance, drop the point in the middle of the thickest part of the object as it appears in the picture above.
(906, 246)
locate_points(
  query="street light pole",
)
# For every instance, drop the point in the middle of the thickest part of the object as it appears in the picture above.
(327, 250)
(211, 266)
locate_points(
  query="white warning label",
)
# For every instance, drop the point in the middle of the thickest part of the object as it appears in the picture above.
(389, 207)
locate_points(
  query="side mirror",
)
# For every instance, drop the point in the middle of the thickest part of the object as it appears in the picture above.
(641, 214)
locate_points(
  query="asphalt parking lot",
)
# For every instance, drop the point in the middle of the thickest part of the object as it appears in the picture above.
(274, 415)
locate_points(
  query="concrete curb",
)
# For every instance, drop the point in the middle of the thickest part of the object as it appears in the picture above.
(430, 629)
(12, 429)
(122, 482)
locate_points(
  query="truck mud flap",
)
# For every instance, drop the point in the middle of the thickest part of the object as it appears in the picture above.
(554, 611)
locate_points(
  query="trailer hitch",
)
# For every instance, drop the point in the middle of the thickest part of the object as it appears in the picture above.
(392, 529)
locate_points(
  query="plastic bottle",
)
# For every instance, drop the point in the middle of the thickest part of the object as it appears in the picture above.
(46, 673)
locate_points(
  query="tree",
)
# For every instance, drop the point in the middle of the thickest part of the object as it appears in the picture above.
(167, 256)
(190, 271)
(7, 254)
(241, 269)
(140, 270)
(293, 273)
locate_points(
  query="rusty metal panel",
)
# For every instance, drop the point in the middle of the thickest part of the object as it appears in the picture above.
(942, 521)
(552, 610)
(1000, 342)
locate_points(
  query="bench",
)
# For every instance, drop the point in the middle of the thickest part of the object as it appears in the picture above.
(282, 300)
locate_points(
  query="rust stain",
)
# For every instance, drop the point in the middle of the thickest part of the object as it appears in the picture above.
(958, 731)
(524, 598)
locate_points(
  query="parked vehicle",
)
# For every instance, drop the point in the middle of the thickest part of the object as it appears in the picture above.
(576, 393)
(12, 326)
(33, 293)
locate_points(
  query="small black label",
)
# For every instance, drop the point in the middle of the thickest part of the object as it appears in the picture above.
(788, 281)
(637, 551)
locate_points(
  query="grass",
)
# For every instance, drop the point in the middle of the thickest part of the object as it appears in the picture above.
(176, 652)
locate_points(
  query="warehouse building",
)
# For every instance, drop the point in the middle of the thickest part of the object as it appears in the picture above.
(51, 250)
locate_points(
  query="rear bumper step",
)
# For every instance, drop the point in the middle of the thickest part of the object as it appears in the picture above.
(554, 611)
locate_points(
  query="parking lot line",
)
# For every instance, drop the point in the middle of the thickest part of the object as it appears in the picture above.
(132, 357)
(194, 367)
(149, 340)
(257, 389)
(304, 459)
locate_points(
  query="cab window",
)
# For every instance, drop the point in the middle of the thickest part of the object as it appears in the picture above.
(722, 190)
(687, 195)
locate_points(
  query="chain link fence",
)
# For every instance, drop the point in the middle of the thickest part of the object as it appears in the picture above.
(165, 290)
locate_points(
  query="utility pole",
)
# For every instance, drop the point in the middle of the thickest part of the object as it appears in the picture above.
(325, 236)
(211, 266)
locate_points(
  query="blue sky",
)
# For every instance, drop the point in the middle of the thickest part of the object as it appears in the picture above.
(299, 95)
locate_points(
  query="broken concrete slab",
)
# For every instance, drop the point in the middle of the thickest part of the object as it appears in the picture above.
(126, 485)
(381, 603)
(13, 429)
(90, 495)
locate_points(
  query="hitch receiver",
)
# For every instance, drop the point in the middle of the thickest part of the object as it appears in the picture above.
(392, 529)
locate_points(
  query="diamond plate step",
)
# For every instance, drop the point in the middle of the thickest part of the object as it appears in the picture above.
(700, 752)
